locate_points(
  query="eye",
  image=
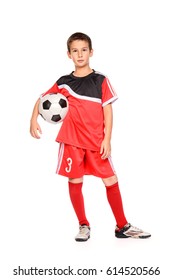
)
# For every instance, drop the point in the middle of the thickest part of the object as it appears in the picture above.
(85, 49)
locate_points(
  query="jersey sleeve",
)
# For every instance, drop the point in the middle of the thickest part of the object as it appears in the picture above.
(108, 93)
(53, 89)
(56, 89)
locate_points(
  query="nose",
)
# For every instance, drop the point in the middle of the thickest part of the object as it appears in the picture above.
(80, 53)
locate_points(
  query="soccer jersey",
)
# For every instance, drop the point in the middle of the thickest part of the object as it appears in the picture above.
(84, 124)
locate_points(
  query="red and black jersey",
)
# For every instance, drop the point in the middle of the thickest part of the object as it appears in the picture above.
(84, 124)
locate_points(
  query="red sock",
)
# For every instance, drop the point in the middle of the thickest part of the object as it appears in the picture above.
(76, 196)
(115, 201)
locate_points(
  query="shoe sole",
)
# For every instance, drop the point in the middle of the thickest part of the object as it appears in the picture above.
(144, 237)
(81, 240)
(135, 237)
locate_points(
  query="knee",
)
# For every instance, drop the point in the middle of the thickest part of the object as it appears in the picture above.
(75, 180)
(110, 181)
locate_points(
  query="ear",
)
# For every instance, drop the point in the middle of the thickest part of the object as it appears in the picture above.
(69, 55)
(91, 53)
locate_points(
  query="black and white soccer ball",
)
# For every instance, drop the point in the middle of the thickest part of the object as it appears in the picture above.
(53, 107)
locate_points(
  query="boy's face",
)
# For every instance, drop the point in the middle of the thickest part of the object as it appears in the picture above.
(80, 53)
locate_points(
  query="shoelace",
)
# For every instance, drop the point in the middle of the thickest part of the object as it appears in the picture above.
(136, 228)
(82, 229)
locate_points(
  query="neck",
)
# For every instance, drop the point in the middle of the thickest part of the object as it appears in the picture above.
(82, 71)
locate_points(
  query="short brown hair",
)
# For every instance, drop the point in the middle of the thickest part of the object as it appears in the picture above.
(79, 36)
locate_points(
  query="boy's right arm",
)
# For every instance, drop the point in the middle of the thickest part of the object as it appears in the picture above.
(35, 128)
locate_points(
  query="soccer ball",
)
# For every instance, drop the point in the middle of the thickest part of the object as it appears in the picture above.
(53, 107)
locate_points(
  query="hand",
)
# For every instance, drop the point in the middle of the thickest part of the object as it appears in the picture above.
(105, 149)
(35, 129)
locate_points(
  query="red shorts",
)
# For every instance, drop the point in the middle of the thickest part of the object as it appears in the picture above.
(74, 162)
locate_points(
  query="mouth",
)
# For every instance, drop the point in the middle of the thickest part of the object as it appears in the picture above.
(80, 61)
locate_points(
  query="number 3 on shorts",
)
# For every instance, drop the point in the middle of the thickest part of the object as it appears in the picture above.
(69, 162)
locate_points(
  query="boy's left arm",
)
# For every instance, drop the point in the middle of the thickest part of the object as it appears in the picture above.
(105, 149)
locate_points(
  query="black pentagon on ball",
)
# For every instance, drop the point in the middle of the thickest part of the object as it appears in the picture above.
(62, 103)
(46, 105)
(56, 118)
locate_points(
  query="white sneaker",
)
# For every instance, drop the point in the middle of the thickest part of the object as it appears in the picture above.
(131, 231)
(84, 233)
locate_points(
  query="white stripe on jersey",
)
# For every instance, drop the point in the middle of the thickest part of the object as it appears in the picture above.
(93, 99)
(110, 87)
(108, 82)
(114, 95)
(60, 156)
(110, 101)
(111, 163)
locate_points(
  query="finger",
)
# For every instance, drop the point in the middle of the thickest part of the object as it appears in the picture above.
(39, 129)
(101, 149)
(35, 134)
(104, 155)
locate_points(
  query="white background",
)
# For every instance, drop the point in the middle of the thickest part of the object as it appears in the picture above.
(132, 42)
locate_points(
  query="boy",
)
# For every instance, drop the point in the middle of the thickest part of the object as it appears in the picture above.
(85, 136)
